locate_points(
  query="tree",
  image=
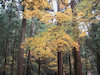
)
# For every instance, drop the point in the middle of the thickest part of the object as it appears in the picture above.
(53, 41)
(93, 39)
(21, 50)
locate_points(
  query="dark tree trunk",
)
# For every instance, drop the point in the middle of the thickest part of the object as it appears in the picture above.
(98, 63)
(4, 72)
(39, 66)
(70, 65)
(59, 63)
(5, 62)
(86, 63)
(21, 50)
(77, 62)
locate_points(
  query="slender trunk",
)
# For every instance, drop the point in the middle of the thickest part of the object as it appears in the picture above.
(39, 66)
(70, 65)
(4, 72)
(77, 62)
(59, 63)
(62, 64)
(21, 50)
(86, 63)
(98, 63)
(5, 62)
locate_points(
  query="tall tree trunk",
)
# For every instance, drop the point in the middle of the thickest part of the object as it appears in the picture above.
(77, 62)
(98, 62)
(21, 50)
(70, 65)
(4, 72)
(77, 55)
(59, 63)
(5, 62)
(39, 66)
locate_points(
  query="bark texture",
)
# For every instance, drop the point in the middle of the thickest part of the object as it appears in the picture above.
(39, 66)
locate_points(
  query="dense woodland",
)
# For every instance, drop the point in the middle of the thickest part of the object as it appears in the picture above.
(49, 37)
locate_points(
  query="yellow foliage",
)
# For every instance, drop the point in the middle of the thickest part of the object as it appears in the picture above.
(37, 4)
(29, 0)
(68, 11)
(53, 65)
(47, 18)
(52, 40)
(61, 17)
(46, 45)
(65, 2)
(83, 34)
(27, 14)
(80, 14)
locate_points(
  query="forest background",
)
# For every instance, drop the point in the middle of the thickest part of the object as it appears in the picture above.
(49, 37)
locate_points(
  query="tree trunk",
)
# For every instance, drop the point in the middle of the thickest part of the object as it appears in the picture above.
(98, 63)
(21, 50)
(4, 72)
(70, 65)
(86, 63)
(5, 62)
(59, 63)
(39, 66)
(77, 62)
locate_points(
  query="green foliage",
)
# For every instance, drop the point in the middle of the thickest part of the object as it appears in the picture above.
(93, 41)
